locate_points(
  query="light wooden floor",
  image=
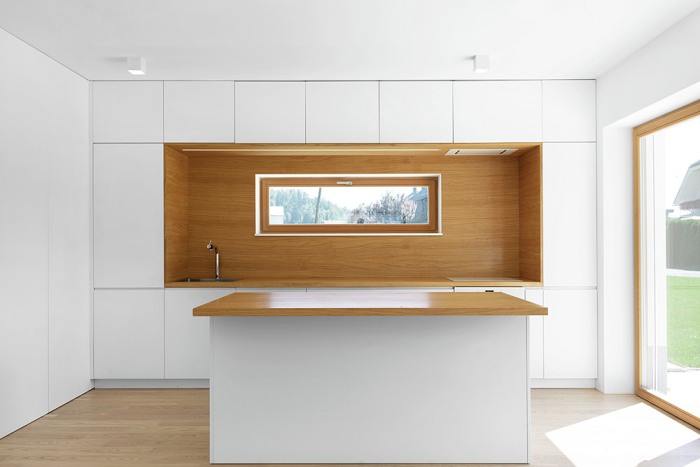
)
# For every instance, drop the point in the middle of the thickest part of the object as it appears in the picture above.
(128, 427)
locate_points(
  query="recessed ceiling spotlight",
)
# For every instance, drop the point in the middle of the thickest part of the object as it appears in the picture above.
(482, 63)
(136, 65)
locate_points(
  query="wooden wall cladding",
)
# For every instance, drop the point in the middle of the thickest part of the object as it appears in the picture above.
(176, 191)
(481, 220)
(530, 181)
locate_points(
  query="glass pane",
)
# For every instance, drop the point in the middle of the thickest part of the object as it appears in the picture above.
(670, 227)
(348, 205)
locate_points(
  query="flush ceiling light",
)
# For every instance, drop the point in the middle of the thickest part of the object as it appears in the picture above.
(136, 65)
(482, 63)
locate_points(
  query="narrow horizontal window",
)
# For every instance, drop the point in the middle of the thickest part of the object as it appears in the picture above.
(348, 204)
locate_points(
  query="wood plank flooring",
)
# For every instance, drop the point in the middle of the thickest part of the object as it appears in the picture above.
(151, 427)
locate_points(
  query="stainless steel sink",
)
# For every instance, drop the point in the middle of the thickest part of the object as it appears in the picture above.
(209, 279)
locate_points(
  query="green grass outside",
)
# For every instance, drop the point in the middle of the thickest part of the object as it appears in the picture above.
(684, 320)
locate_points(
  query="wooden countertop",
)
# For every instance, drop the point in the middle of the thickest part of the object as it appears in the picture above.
(351, 282)
(371, 303)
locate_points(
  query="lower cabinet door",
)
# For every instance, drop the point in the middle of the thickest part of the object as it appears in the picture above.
(187, 336)
(128, 334)
(570, 334)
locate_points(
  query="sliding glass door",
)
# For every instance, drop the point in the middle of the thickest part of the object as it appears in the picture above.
(667, 165)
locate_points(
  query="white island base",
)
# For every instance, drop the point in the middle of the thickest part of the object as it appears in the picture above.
(369, 389)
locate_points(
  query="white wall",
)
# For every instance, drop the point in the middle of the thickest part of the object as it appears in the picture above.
(663, 67)
(44, 235)
(661, 76)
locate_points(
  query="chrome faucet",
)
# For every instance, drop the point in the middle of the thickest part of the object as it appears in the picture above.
(216, 250)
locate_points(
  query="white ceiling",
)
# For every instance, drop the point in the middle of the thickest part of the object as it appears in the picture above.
(340, 39)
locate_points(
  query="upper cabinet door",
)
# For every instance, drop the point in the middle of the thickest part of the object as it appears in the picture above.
(270, 112)
(342, 112)
(199, 111)
(569, 214)
(128, 215)
(497, 111)
(127, 111)
(415, 112)
(569, 110)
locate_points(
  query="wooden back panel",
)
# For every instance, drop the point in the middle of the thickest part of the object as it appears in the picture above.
(481, 217)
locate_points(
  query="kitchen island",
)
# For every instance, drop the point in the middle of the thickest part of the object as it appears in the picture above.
(375, 377)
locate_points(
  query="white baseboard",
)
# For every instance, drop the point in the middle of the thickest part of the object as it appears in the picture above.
(561, 383)
(150, 383)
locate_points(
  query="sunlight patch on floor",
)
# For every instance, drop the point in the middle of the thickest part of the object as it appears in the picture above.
(626, 437)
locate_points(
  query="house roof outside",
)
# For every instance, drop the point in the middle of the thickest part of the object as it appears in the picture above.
(688, 196)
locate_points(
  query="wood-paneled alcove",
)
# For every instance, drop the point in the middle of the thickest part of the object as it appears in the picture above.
(491, 213)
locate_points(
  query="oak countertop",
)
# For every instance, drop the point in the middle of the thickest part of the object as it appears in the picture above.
(354, 282)
(370, 303)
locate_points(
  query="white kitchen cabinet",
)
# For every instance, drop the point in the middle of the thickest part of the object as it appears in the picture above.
(45, 263)
(187, 336)
(495, 111)
(270, 112)
(568, 110)
(127, 111)
(536, 335)
(570, 334)
(415, 112)
(518, 292)
(569, 214)
(128, 334)
(342, 112)
(128, 215)
(199, 111)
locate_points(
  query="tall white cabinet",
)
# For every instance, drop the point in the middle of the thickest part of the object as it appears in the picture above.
(128, 261)
(569, 332)
(45, 287)
(128, 303)
(141, 330)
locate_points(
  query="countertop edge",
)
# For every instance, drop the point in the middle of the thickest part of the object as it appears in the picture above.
(382, 312)
(357, 303)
